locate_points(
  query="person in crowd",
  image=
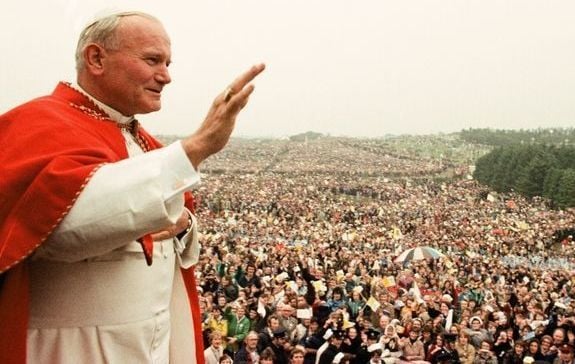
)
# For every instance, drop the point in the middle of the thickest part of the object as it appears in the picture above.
(267, 357)
(370, 337)
(226, 359)
(566, 354)
(390, 343)
(502, 346)
(412, 348)
(267, 334)
(333, 348)
(217, 322)
(436, 349)
(114, 238)
(351, 342)
(215, 351)
(476, 332)
(515, 355)
(533, 350)
(296, 355)
(280, 346)
(238, 326)
(465, 350)
(548, 350)
(248, 353)
(485, 354)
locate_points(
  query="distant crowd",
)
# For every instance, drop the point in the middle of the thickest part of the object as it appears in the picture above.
(301, 269)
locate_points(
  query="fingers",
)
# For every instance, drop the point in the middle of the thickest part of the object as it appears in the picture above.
(173, 230)
(237, 91)
(240, 82)
(162, 235)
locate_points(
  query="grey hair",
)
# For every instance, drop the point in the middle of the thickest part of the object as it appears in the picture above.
(102, 31)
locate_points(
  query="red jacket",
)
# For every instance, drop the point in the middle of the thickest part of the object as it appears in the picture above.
(50, 148)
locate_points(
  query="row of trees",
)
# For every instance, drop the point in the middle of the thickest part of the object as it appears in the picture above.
(495, 137)
(532, 170)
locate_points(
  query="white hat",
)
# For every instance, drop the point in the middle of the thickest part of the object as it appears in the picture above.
(374, 347)
(476, 318)
(447, 298)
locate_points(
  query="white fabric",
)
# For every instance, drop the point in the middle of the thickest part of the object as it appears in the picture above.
(93, 297)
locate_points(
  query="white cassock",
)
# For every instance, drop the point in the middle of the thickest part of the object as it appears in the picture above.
(93, 297)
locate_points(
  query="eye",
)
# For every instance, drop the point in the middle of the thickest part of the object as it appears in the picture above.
(152, 61)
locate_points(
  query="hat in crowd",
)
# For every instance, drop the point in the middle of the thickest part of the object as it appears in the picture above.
(372, 334)
(446, 298)
(528, 360)
(476, 318)
(374, 347)
(279, 332)
(566, 348)
(338, 334)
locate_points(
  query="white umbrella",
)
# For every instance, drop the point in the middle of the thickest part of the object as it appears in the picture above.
(418, 253)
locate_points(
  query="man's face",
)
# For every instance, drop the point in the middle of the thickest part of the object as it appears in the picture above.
(383, 321)
(274, 324)
(337, 342)
(566, 356)
(134, 74)
(558, 337)
(252, 342)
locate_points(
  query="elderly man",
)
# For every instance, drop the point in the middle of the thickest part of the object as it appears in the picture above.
(96, 245)
(248, 353)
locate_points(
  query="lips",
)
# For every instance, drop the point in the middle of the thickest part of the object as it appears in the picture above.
(156, 91)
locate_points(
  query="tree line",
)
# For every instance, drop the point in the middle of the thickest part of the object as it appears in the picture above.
(496, 137)
(532, 170)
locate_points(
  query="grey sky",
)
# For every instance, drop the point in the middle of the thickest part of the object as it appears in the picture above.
(357, 68)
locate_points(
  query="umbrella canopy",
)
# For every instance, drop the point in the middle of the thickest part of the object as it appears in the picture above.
(418, 253)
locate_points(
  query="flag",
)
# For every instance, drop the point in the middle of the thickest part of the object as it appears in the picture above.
(396, 234)
(373, 303)
(416, 291)
(261, 309)
(389, 281)
(449, 320)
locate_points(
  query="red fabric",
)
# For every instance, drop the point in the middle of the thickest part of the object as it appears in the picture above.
(14, 319)
(193, 296)
(62, 140)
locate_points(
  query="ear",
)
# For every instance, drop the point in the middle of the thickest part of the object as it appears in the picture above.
(94, 56)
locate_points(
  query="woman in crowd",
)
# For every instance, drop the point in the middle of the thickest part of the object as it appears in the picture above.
(390, 345)
(215, 351)
(464, 348)
(515, 355)
(502, 346)
(533, 350)
(485, 354)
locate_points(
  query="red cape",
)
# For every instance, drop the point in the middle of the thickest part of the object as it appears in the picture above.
(51, 146)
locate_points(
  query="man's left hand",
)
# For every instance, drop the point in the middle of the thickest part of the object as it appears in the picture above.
(172, 231)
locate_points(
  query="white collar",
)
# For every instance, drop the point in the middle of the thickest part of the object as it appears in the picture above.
(112, 113)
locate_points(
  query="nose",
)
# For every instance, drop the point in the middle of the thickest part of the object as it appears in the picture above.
(163, 75)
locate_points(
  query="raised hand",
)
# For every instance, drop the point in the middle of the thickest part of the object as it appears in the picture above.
(219, 123)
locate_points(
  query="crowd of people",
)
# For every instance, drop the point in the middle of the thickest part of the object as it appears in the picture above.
(300, 267)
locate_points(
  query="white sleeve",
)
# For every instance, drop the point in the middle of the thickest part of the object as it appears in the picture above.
(122, 202)
(188, 247)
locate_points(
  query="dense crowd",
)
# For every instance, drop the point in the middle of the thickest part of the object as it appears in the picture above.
(299, 267)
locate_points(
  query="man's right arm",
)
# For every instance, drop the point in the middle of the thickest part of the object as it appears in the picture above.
(122, 202)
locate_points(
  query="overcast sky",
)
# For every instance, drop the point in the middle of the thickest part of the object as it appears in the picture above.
(356, 68)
